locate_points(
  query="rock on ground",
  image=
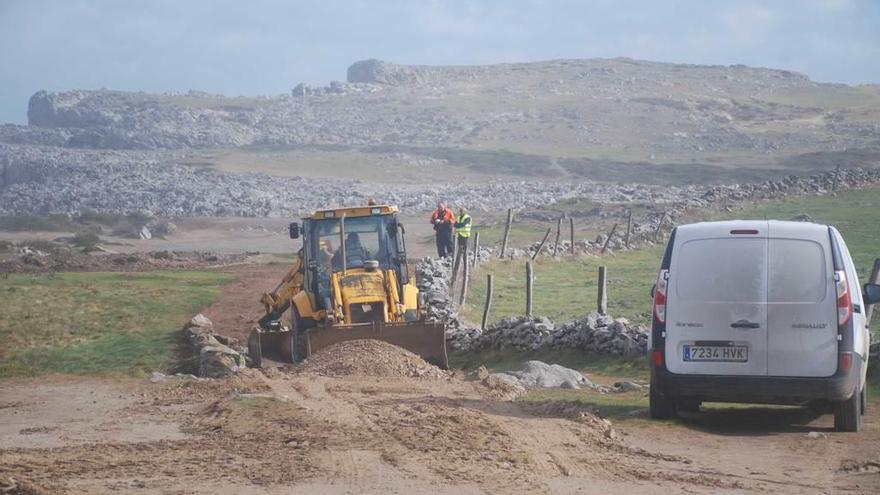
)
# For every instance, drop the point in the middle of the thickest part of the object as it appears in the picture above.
(537, 374)
(214, 359)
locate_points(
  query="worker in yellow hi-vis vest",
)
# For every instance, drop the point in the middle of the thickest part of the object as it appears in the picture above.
(463, 225)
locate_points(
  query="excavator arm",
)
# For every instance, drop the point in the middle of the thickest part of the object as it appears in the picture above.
(277, 301)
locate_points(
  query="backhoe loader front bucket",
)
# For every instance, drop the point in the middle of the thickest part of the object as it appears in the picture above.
(426, 339)
(269, 344)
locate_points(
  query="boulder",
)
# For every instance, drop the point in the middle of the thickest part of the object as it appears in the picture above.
(537, 374)
(214, 358)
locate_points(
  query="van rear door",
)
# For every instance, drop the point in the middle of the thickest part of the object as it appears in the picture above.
(801, 301)
(717, 299)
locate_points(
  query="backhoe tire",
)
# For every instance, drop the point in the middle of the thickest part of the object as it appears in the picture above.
(255, 351)
(661, 407)
(848, 413)
(298, 329)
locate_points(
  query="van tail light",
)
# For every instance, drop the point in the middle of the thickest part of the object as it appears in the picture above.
(660, 296)
(657, 359)
(845, 361)
(844, 300)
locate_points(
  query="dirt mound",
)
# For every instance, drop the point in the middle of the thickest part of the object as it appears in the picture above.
(369, 358)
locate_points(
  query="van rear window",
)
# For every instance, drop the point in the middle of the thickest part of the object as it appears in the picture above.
(797, 271)
(722, 270)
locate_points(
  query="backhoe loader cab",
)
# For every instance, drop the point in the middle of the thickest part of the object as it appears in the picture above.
(353, 283)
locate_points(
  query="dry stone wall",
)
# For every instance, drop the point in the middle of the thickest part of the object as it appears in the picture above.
(593, 332)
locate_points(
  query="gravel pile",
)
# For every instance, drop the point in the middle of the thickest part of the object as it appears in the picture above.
(369, 358)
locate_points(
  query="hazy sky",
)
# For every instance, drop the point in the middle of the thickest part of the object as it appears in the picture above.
(266, 47)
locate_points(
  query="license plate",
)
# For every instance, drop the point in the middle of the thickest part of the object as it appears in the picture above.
(717, 353)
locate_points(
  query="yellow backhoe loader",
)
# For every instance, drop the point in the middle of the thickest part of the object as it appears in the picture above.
(349, 281)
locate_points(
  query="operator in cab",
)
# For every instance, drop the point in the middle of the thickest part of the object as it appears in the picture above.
(355, 253)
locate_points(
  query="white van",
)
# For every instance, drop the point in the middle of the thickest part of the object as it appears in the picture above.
(761, 312)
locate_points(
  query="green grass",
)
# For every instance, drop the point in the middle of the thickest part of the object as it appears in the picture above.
(566, 288)
(98, 323)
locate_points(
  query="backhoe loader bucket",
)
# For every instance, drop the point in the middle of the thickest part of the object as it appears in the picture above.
(426, 339)
(269, 344)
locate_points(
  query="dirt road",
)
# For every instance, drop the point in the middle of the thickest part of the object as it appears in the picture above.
(293, 431)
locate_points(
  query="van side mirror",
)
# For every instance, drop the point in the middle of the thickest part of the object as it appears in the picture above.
(653, 290)
(294, 230)
(872, 293)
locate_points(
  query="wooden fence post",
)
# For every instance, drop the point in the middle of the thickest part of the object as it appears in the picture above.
(659, 225)
(873, 279)
(476, 249)
(629, 226)
(456, 261)
(558, 232)
(530, 279)
(465, 276)
(571, 233)
(610, 234)
(602, 299)
(541, 246)
(488, 305)
(506, 231)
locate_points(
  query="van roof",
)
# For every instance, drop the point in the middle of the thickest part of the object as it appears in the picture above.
(697, 229)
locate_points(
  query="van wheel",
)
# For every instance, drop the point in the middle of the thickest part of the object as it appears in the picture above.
(688, 406)
(864, 400)
(848, 413)
(661, 407)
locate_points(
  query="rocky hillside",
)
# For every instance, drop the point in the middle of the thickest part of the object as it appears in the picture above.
(616, 108)
(489, 137)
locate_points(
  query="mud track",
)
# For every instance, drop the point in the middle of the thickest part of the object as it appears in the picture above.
(288, 431)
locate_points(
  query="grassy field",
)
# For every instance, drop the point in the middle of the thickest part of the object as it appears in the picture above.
(98, 323)
(566, 288)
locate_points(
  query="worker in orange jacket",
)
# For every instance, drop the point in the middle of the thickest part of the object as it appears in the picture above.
(443, 220)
